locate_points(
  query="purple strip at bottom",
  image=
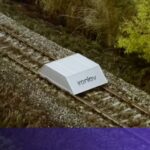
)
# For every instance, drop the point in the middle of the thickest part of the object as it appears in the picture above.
(75, 139)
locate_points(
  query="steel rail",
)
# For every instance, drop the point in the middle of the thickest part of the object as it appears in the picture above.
(75, 97)
(126, 100)
(97, 110)
(14, 35)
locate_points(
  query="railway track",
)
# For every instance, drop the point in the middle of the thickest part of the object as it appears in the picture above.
(108, 103)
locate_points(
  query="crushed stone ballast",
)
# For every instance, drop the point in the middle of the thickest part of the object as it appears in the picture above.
(114, 102)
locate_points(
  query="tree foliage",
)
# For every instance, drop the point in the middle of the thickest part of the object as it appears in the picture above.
(135, 36)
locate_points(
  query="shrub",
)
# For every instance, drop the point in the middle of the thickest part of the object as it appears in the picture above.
(66, 12)
(100, 18)
(105, 18)
(135, 37)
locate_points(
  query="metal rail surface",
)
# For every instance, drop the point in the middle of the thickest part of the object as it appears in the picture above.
(112, 100)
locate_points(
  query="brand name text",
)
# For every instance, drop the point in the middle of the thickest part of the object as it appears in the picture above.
(86, 80)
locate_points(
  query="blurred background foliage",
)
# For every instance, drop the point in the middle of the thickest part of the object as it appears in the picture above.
(113, 23)
(135, 37)
(97, 19)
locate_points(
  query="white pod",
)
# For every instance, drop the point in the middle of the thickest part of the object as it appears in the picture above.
(75, 74)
